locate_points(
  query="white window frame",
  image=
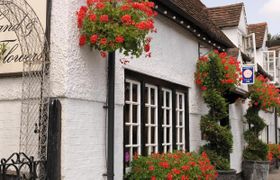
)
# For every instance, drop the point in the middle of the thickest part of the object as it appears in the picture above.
(268, 58)
(180, 128)
(167, 127)
(131, 124)
(152, 147)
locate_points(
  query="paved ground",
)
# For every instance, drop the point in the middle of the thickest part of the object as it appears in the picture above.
(274, 174)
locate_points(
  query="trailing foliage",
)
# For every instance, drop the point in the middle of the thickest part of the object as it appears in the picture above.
(216, 74)
(263, 96)
(108, 25)
(178, 165)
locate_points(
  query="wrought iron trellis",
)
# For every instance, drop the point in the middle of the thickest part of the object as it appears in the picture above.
(35, 84)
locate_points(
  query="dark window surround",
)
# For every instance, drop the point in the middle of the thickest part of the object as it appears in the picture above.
(145, 79)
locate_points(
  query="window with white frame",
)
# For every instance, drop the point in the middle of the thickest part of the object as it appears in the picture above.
(155, 116)
(167, 120)
(151, 119)
(132, 119)
(180, 124)
(269, 62)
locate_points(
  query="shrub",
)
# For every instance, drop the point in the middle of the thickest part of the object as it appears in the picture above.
(216, 74)
(108, 25)
(263, 95)
(169, 166)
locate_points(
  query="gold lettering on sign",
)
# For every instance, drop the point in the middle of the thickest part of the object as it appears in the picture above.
(15, 37)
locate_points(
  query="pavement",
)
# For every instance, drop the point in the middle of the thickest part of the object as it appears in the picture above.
(274, 175)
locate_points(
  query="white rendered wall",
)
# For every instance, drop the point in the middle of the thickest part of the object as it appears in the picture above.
(236, 116)
(242, 27)
(232, 34)
(78, 78)
(10, 114)
(174, 57)
(269, 119)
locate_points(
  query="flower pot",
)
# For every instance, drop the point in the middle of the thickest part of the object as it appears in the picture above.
(253, 170)
(226, 174)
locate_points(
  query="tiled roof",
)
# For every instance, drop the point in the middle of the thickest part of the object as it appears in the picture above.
(226, 16)
(196, 12)
(259, 30)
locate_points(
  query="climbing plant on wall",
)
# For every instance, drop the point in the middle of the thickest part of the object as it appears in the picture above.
(263, 96)
(216, 74)
(108, 25)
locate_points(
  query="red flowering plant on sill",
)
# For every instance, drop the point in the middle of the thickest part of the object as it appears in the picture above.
(108, 25)
(178, 165)
(227, 72)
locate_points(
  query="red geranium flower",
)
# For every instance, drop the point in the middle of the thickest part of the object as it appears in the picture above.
(92, 17)
(82, 40)
(126, 19)
(94, 38)
(147, 47)
(104, 18)
(103, 41)
(100, 5)
(119, 39)
(151, 168)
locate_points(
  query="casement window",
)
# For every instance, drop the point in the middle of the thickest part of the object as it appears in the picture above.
(269, 62)
(155, 116)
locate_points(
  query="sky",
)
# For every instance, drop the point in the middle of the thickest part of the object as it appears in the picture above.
(256, 11)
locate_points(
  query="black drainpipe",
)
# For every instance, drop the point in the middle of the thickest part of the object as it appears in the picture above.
(111, 115)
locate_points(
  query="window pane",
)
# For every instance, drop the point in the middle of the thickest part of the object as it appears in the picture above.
(127, 94)
(135, 113)
(126, 112)
(153, 114)
(135, 135)
(152, 135)
(135, 93)
(167, 99)
(152, 96)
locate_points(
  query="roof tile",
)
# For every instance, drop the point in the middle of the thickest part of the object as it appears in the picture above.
(197, 13)
(259, 30)
(226, 16)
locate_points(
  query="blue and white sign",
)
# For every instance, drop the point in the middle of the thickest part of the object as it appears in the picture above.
(248, 74)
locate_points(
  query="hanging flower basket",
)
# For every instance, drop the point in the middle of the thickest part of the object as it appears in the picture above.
(109, 25)
(227, 73)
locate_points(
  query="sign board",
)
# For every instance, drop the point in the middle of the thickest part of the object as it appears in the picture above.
(19, 24)
(248, 74)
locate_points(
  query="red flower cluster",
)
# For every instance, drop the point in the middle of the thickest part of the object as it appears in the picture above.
(228, 68)
(274, 151)
(171, 166)
(263, 94)
(108, 25)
